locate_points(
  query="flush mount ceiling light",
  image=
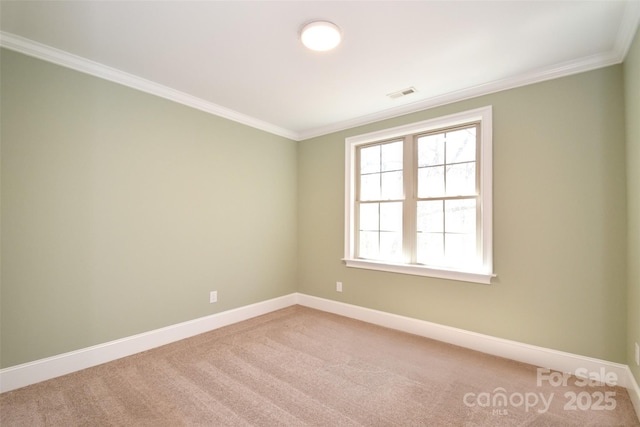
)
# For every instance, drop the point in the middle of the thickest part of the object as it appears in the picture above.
(320, 35)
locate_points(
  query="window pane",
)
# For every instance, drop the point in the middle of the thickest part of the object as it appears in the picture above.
(430, 216)
(431, 181)
(391, 246)
(460, 250)
(368, 244)
(461, 179)
(431, 150)
(391, 216)
(447, 227)
(369, 218)
(430, 250)
(370, 159)
(392, 156)
(460, 216)
(370, 187)
(392, 186)
(461, 145)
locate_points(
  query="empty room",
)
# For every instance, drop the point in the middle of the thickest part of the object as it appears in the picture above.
(291, 213)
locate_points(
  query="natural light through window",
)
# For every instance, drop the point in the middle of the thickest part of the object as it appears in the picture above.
(419, 198)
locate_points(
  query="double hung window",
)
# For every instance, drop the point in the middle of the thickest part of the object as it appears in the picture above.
(419, 198)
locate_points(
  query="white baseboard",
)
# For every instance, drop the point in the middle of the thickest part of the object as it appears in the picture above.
(51, 367)
(634, 393)
(534, 355)
(40, 370)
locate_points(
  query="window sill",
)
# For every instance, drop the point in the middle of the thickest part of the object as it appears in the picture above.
(416, 270)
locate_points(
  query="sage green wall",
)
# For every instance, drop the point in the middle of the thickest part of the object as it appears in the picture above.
(559, 223)
(632, 103)
(122, 210)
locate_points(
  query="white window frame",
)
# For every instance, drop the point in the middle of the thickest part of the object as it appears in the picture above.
(481, 274)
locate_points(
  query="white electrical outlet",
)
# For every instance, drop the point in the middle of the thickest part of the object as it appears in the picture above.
(637, 354)
(339, 286)
(213, 296)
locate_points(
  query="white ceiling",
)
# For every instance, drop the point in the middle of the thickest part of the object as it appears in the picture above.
(243, 59)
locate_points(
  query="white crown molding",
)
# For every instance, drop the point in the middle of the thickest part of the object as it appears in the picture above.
(83, 65)
(626, 33)
(628, 27)
(565, 69)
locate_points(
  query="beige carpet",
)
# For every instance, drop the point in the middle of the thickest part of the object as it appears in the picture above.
(299, 366)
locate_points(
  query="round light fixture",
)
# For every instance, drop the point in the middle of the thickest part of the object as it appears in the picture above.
(320, 35)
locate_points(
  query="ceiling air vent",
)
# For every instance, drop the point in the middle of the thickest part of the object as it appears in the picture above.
(401, 93)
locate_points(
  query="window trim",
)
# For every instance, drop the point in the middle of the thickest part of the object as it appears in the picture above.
(484, 274)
